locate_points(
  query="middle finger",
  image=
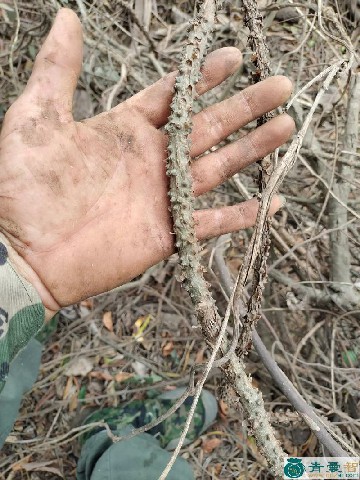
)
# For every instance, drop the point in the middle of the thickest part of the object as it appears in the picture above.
(215, 123)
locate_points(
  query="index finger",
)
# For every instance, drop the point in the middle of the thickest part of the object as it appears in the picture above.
(154, 101)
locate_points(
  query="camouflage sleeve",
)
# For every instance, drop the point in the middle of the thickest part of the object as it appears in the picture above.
(21, 313)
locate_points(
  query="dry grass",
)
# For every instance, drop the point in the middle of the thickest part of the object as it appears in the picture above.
(316, 345)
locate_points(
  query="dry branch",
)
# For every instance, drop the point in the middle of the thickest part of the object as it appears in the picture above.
(260, 58)
(182, 207)
(320, 427)
(338, 212)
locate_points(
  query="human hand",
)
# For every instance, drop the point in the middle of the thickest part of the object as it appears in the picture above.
(84, 205)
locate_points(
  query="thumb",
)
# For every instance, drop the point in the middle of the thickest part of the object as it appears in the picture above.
(58, 64)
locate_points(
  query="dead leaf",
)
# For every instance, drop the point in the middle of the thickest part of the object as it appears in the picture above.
(88, 303)
(42, 467)
(255, 383)
(69, 388)
(48, 466)
(71, 392)
(17, 466)
(310, 445)
(167, 349)
(111, 392)
(224, 409)
(73, 402)
(251, 446)
(79, 367)
(108, 321)
(217, 468)
(122, 376)
(101, 376)
(209, 445)
(200, 355)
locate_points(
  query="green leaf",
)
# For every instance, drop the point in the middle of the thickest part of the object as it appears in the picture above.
(350, 358)
(82, 393)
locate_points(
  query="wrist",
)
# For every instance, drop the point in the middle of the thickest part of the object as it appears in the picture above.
(25, 271)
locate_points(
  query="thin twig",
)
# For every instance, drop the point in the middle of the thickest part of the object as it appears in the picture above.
(319, 426)
(198, 390)
(137, 22)
(278, 175)
(13, 47)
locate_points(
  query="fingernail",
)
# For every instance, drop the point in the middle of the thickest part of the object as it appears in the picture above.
(282, 201)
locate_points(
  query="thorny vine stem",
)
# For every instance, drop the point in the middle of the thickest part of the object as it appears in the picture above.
(182, 207)
(181, 193)
(260, 58)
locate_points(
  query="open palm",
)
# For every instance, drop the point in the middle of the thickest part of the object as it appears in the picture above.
(84, 204)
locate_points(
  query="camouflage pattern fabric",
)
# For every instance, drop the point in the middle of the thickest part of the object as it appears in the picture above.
(22, 314)
(140, 412)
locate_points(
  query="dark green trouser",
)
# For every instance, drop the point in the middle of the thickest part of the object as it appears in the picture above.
(140, 458)
(22, 374)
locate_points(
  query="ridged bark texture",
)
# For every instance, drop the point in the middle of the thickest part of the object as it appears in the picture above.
(181, 192)
(260, 58)
(252, 403)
